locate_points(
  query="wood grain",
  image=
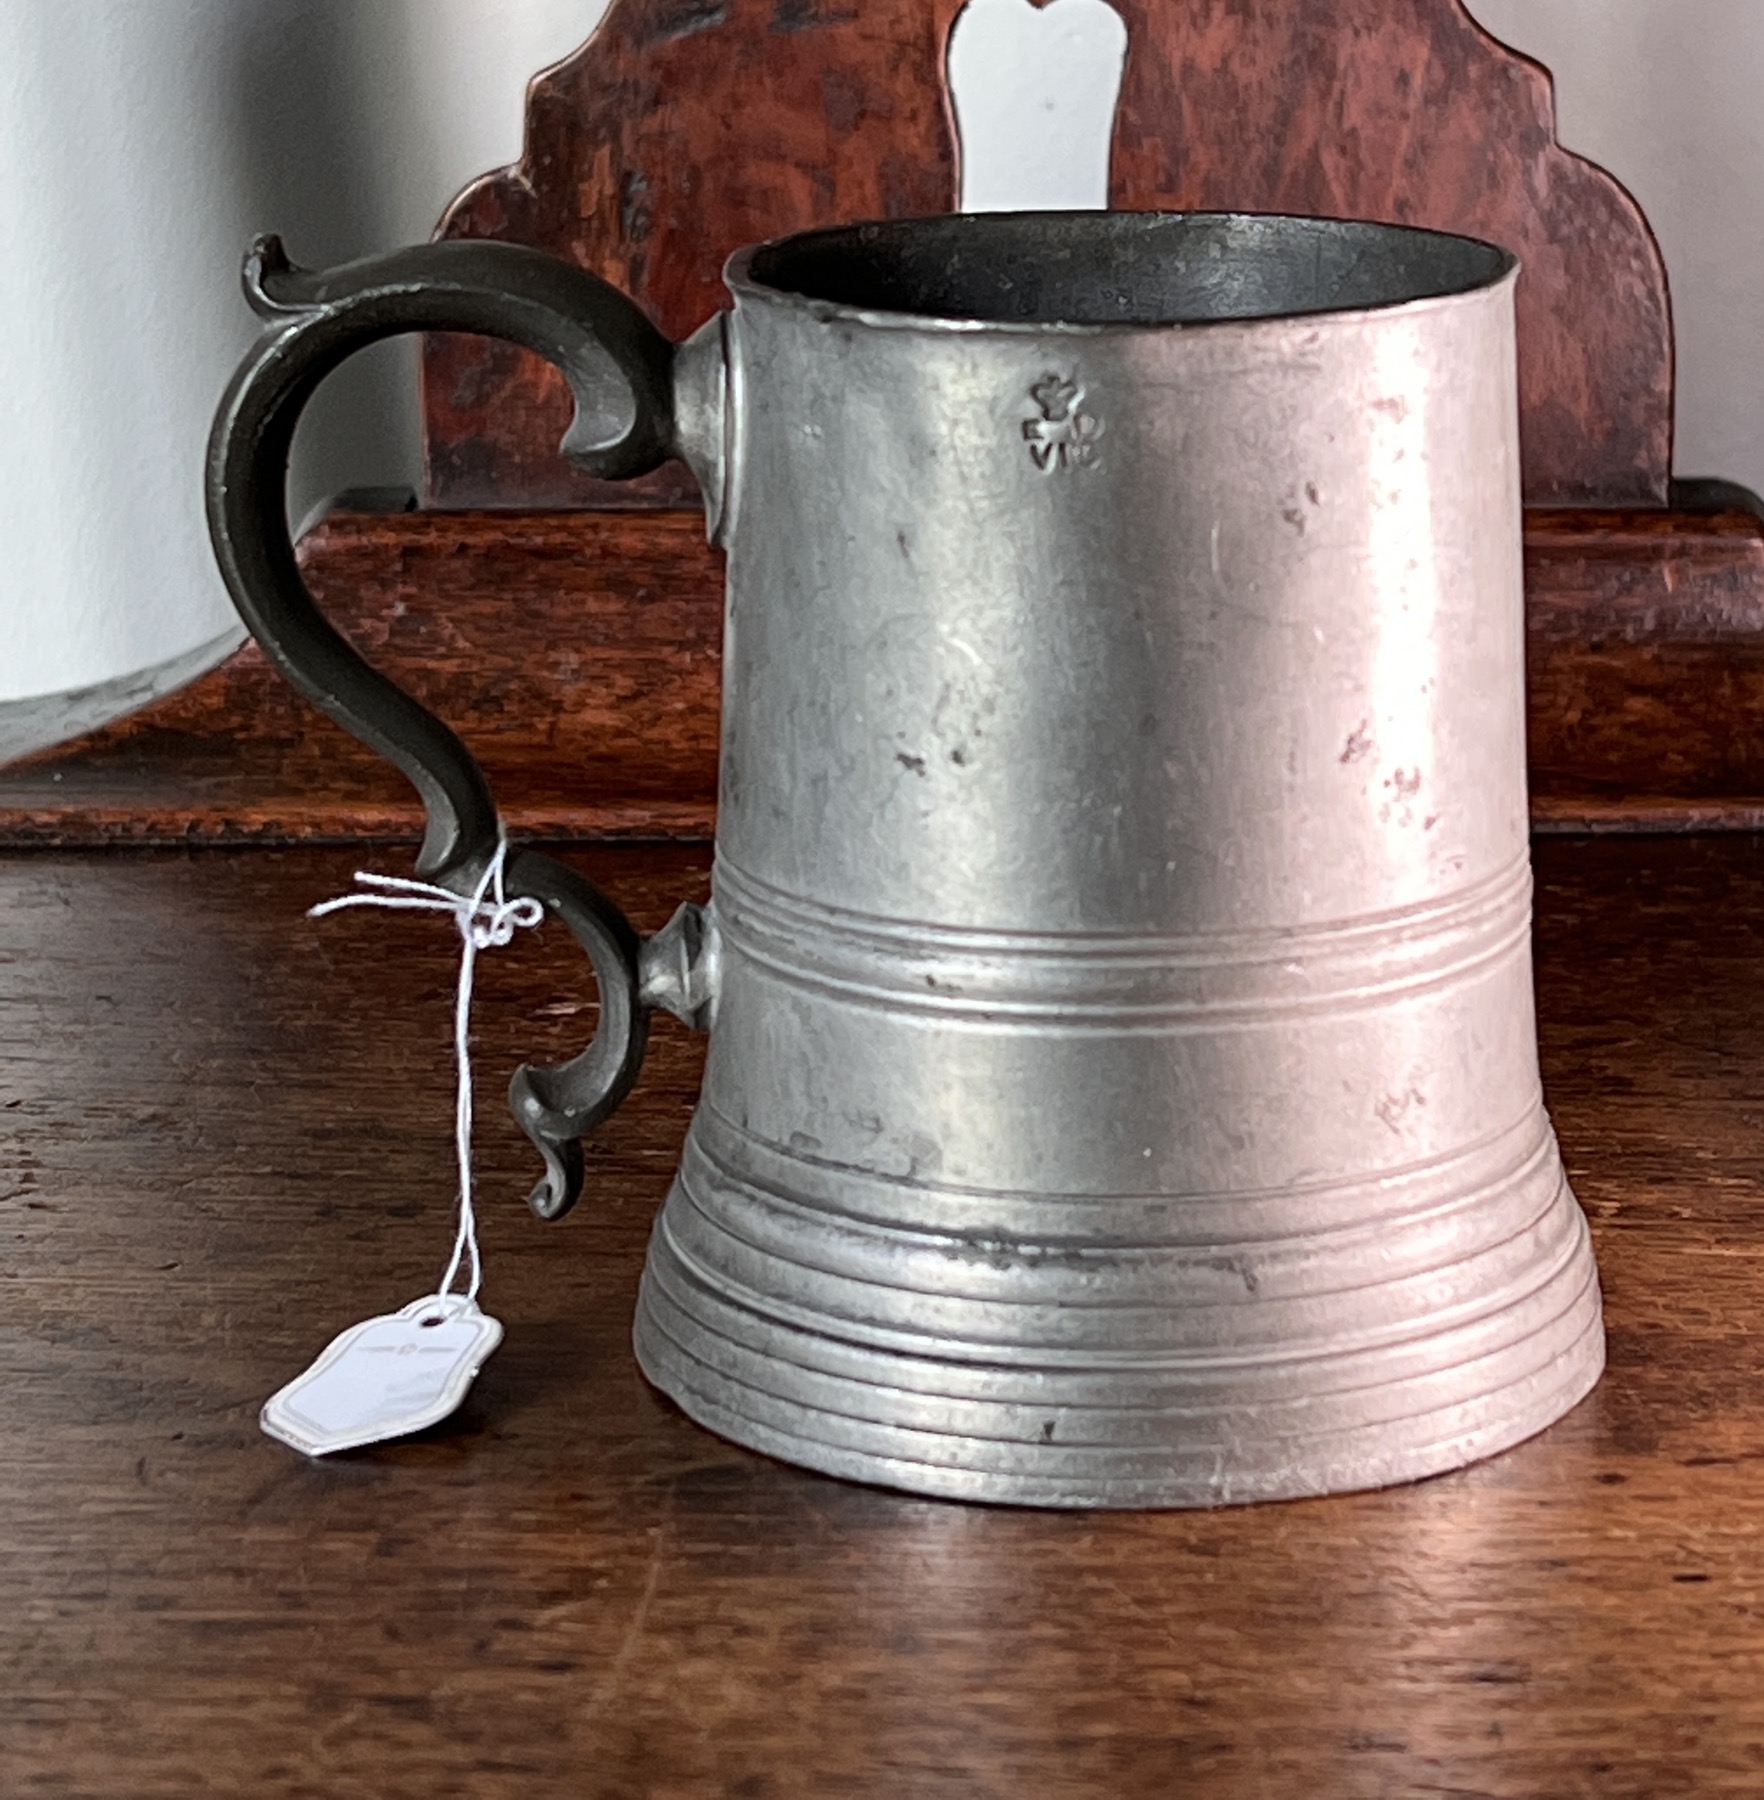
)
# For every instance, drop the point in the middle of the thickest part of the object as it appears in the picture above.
(684, 129)
(228, 1135)
(579, 653)
(681, 131)
(1408, 111)
(1645, 650)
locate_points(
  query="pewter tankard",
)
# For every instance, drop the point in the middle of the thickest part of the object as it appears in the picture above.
(1122, 1085)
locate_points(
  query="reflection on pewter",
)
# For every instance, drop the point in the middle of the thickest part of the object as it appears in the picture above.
(1122, 1086)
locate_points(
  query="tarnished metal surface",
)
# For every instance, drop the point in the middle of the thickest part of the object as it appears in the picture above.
(1123, 1088)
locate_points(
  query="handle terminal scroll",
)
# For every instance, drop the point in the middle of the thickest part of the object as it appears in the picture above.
(272, 284)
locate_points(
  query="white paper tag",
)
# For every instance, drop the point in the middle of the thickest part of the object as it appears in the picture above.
(385, 1377)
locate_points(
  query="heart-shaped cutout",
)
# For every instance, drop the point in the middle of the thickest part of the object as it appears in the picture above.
(1035, 84)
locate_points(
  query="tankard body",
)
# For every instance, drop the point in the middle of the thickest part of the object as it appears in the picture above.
(1122, 1085)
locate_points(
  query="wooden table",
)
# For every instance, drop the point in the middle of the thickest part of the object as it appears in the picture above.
(228, 1136)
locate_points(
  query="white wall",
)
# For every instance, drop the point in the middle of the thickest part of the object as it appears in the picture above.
(145, 141)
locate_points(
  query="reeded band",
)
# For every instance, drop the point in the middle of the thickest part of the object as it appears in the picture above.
(1117, 978)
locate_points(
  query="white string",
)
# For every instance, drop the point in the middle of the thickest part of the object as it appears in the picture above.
(487, 920)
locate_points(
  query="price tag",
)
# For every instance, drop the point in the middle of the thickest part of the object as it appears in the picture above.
(385, 1377)
(393, 1375)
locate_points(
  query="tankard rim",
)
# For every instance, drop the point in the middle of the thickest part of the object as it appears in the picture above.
(748, 278)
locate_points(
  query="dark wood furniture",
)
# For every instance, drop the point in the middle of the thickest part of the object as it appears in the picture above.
(226, 1127)
(227, 1134)
(687, 127)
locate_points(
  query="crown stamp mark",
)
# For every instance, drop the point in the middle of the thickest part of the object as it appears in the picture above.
(1065, 435)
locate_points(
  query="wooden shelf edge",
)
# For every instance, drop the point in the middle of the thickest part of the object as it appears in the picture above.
(1643, 815)
(96, 829)
(286, 822)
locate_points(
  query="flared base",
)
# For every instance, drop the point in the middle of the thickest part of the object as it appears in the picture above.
(746, 1322)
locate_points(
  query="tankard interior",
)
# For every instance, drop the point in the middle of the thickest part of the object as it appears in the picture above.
(1120, 268)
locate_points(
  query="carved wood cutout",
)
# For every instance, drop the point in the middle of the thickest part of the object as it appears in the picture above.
(1044, 137)
(1407, 111)
(682, 130)
(685, 128)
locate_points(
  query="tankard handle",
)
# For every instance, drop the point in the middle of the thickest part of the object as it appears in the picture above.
(620, 370)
